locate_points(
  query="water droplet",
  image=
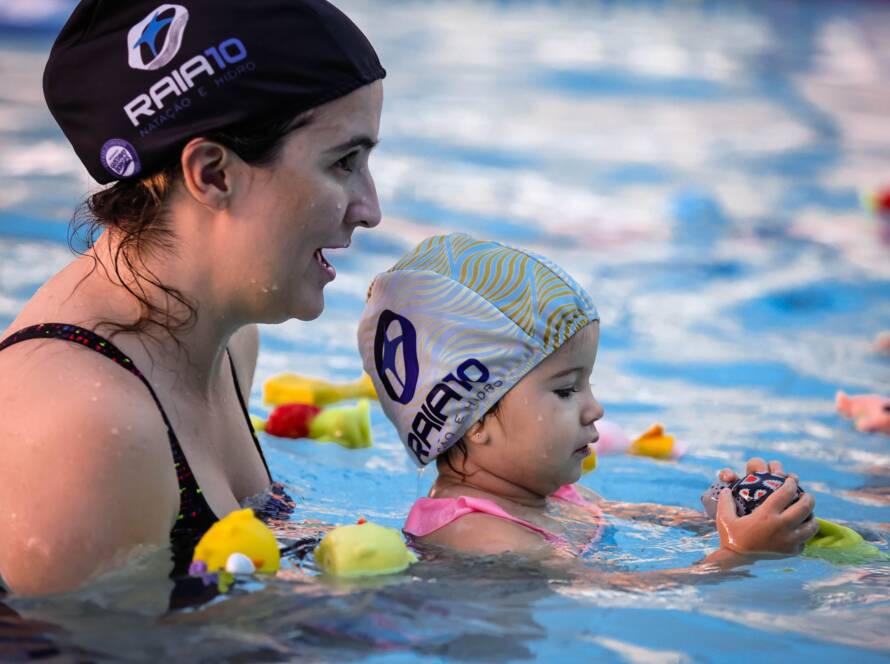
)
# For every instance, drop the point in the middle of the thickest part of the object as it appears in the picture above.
(115, 431)
(420, 480)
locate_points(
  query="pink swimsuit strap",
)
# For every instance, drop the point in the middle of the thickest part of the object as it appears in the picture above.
(428, 515)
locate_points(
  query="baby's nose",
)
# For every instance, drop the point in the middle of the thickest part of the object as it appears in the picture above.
(593, 412)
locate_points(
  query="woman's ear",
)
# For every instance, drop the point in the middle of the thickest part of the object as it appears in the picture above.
(208, 172)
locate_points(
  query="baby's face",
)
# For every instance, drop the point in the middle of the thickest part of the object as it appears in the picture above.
(547, 420)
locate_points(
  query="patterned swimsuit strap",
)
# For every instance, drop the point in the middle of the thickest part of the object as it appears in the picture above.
(92, 341)
(191, 497)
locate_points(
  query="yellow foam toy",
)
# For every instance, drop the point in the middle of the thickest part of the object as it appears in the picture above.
(840, 545)
(238, 532)
(349, 426)
(364, 549)
(259, 424)
(654, 443)
(589, 462)
(291, 388)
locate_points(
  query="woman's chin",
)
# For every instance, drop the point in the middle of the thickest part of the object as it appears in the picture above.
(305, 309)
(310, 309)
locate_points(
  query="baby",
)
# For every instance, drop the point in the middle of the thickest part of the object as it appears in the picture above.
(481, 355)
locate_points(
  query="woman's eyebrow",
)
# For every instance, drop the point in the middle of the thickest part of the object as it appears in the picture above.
(361, 140)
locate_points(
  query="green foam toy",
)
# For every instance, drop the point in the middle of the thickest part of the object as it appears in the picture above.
(841, 545)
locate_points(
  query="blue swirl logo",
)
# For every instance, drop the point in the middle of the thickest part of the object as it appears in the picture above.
(395, 356)
(156, 39)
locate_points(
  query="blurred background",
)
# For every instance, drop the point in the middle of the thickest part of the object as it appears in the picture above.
(701, 167)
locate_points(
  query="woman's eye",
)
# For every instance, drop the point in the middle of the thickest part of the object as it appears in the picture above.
(565, 393)
(347, 163)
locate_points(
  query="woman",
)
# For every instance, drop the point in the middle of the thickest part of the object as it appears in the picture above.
(238, 136)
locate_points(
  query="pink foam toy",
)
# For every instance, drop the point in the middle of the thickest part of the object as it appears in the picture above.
(882, 342)
(870, 412)
(612, 438)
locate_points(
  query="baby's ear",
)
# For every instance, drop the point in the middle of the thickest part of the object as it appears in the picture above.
(476, 434)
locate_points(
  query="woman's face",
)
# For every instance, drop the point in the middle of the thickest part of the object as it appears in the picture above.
(307, 203)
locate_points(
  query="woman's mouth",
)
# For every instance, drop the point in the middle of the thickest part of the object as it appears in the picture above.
(584, 450)
(323, 262)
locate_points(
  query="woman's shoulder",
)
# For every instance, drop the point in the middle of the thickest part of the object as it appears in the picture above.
(80, 446)
(60, 399)
(52, 383)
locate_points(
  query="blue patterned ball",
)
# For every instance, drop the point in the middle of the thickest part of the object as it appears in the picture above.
(749, 492)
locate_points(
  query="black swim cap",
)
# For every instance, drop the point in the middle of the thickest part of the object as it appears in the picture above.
(130, 82)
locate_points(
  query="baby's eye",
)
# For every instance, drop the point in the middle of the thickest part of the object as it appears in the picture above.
(566, 392)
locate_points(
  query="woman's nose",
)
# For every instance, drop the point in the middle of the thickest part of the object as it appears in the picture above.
(365, 208)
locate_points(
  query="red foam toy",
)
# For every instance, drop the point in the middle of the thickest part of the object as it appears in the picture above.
(291, 420)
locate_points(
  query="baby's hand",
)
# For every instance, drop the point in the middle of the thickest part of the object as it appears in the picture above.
(754, 465)
(776, 526)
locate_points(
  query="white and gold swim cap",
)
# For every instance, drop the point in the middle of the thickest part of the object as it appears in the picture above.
(456, 323)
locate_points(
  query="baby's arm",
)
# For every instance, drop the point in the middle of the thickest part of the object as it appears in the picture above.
(777, 527)
(676, 517)
(662, 515)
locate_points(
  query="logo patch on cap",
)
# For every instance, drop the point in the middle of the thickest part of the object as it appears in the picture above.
(155, 40)
(119, 158)
(396, 339)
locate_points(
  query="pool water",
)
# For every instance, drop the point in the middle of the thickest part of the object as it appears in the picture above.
(698, 167)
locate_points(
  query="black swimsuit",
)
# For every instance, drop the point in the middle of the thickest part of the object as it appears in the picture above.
(195, 515)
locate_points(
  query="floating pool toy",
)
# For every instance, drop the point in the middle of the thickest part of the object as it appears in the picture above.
(657, 444)
(291, 388)
(654, 442)
(870, 412)
(841, 545)
(291, 420)
(878, 202)
(612, 438)
(833, 542)
(349, 426)
(589, 462)
(239, 543)
(882, 342)
(258, 423)
(363, 549)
